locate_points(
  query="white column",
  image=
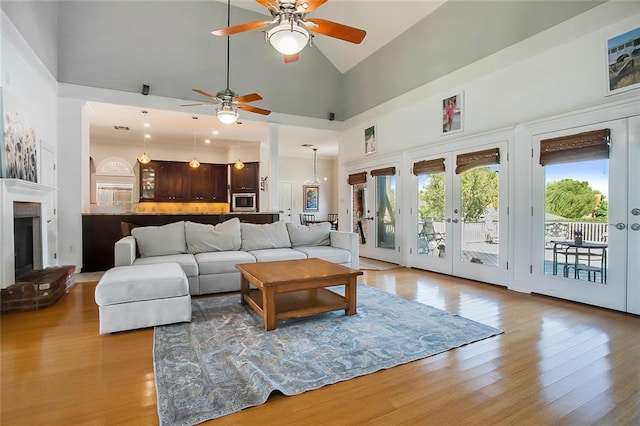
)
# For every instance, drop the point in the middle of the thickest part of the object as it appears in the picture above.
(269, 168)
(73, 178)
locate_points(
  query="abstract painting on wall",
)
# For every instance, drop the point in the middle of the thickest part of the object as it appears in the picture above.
(19, 144)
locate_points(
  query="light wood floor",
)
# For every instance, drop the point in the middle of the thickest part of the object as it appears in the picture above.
(557, 363)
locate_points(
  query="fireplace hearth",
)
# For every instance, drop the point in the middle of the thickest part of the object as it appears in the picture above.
(38, 289)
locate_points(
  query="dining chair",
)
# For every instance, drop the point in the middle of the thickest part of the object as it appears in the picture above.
(333, 218)
(306, 218)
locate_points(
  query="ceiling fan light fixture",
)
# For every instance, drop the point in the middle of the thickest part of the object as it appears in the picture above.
(288, 38)
(227, 114)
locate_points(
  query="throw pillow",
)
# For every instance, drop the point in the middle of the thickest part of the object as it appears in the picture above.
(203, 238)
(315, 234)
(267, 236)
(160, 240)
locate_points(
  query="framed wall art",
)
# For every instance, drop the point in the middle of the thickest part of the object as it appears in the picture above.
(623, 62)
(370, 146)
(452, 114)
(311, 197)
(19, 146)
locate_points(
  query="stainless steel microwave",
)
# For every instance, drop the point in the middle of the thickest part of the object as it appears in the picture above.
(243, 202)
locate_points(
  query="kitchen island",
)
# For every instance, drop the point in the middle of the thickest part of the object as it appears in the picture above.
(100, 231)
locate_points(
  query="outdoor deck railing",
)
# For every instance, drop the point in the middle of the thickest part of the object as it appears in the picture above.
(483, 232)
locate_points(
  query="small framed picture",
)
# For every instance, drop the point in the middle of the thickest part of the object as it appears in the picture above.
(370, 140)
(623, 62)
(311, 197)
(452, 114)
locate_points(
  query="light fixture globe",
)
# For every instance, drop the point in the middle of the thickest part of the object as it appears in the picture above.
(227, 114)
(194, 164)
(144, 158)
(288, 38)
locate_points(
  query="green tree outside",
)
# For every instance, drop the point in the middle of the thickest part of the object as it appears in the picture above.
(479, 191)
(575, 199)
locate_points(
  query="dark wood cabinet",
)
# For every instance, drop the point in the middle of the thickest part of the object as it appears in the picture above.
(172, 181)
(176, 181)
(220, 182)
(245, 179)
(208, 183)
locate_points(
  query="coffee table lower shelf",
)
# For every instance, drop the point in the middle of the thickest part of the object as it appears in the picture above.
(301, 303)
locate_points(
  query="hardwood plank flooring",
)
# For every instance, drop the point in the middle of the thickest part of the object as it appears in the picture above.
(558, 362)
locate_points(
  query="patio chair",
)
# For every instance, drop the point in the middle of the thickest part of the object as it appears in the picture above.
(428, 238)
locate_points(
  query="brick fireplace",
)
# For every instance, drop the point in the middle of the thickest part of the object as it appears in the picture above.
(28, 282)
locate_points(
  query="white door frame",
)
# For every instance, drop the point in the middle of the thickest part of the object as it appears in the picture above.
(612, 294)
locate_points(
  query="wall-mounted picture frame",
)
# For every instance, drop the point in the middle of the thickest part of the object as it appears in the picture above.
(623, 62)
(452, 113)
(370, 144)
(311, 198)
(19, 145)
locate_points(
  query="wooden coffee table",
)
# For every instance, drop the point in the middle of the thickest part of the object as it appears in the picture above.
(295, 288)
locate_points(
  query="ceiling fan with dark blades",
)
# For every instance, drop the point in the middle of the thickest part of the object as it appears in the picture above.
(230, 102)
(290, 30)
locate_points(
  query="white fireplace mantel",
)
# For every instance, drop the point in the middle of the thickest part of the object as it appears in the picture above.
(13, 190)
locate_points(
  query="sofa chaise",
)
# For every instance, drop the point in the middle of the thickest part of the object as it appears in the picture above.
(208, 253)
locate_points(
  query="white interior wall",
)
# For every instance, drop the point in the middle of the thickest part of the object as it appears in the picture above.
(300, 169)
(28, 88)
(551, 74)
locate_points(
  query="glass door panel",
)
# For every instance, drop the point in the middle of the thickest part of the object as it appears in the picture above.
(480, 219)
(361, 214)
(576, 211)
(147, 181)
(385, 212)
(431, 230)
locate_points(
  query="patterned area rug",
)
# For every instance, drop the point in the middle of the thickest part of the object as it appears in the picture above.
(223, 361)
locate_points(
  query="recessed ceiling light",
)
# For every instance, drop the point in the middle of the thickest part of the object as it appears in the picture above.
(207, 141)
(215, 132)
(147, 125)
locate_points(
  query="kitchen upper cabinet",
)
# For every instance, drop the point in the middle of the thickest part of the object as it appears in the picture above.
(176, 181)
(172, 181)
(147, 181)
(245, 179)
(208, 183)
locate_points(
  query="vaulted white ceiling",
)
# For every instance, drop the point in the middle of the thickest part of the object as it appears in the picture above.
(383, 20)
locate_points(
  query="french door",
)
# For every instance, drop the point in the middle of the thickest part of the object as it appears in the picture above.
(376, 213)
(573, 274)
(459, 212)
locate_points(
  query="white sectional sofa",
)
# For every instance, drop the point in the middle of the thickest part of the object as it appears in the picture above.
(208, 253)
